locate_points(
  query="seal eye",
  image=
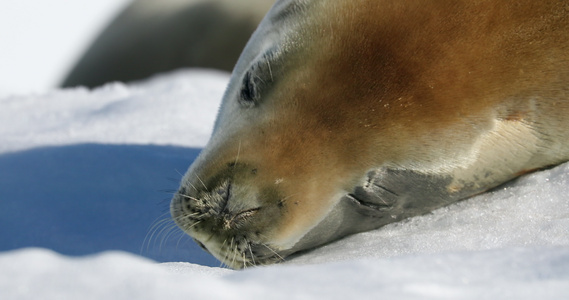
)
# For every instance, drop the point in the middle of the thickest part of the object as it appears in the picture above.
(258, 80)
(249, 91)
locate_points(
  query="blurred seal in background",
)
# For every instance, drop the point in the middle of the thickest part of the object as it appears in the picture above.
(152, 36)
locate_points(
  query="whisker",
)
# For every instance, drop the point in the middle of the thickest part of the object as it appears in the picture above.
(260, 79)
(166, 235)
(188, 197)
(193, 186)
(271, 249)
(205, 187)
(251, 251)
(181, 175)
(275, 253)
(152, 230)
(193, 225)
(238, 152)
(234, 250)
(182, 235)
(226, 253)
(270, 71)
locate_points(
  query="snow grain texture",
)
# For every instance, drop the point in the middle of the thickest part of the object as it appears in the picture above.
(499, 274)
(174, 109)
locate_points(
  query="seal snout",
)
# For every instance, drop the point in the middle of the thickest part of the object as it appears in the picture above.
(231, 212)
(221, 206)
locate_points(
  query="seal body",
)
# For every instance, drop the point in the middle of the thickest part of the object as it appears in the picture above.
(343, 116)
(151, 36)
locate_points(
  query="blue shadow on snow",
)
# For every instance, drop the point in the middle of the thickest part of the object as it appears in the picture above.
(88, 198)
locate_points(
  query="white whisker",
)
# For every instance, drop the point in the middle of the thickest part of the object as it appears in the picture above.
(238, 152)
(188, 197)
(195, 189)
(270, 71)
(205, 187)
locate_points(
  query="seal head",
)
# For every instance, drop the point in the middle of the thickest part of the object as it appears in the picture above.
(343, 116)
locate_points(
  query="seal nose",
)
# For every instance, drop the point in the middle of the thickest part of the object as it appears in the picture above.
(217, 203)
(236, 204)
(231, 211)
(232, 221)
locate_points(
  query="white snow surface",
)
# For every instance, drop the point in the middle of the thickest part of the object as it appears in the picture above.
(83, 214)
(177, 111)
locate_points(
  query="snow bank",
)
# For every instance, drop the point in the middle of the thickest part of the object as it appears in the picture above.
(536, 273)
(84, 172)
(175, 109)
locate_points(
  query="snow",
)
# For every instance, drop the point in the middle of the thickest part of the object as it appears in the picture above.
(85, 171)
(159, 112)
(499, 274)
(86, 177)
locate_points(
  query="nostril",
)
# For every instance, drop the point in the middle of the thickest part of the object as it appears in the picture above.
(223, 193)
(246, 214)
(223, 189)
(237, 220)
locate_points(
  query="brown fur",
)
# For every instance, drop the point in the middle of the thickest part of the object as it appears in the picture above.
(476, 91)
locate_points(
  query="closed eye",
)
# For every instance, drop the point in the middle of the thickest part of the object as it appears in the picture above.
(257, 80)
(249, 90)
